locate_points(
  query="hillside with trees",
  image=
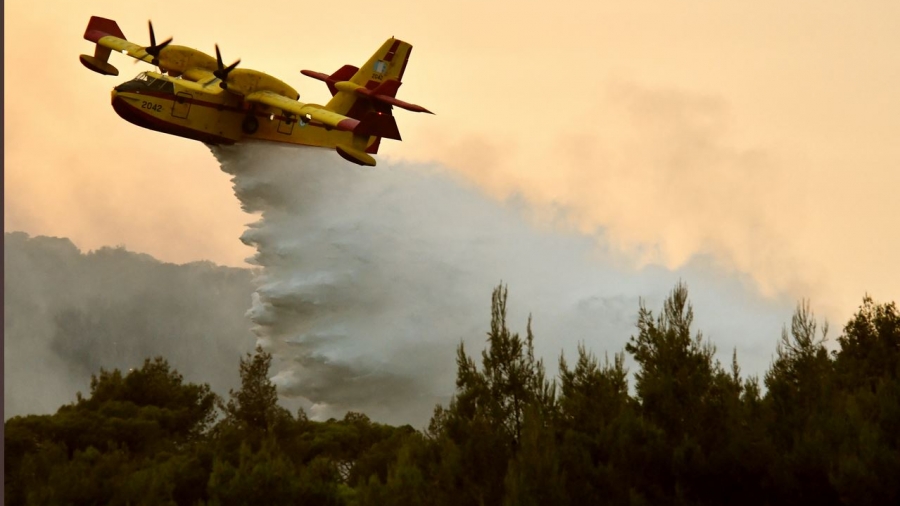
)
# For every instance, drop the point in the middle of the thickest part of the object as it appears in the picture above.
(820, 427)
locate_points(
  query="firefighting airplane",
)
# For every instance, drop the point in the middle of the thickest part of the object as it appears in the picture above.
(196, 96)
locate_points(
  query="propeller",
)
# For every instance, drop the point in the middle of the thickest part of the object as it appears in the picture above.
(222, 72)
(153, 49)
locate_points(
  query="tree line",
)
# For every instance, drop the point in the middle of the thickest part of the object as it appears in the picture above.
(820, 427)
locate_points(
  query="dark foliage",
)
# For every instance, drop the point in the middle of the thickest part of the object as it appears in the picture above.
(825, 429)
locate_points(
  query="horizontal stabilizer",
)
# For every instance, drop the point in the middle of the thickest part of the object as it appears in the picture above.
(342, 74)
(399, 103)
(388, 88)
(384, 93)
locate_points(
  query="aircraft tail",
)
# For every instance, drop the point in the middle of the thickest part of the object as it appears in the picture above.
(389, 62)
(368, 93)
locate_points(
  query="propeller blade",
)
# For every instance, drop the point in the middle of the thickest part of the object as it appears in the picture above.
(153, 49)
(164, 44)
(222, 71)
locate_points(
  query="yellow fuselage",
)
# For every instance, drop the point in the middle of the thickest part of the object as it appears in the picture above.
(212, 115)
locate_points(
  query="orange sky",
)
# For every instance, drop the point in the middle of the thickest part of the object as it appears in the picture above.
(762, 134)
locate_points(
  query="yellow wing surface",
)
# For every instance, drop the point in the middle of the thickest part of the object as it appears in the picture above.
(123, 46)
(175, 60)
(199, 75)
(304, 112)
(108, 37)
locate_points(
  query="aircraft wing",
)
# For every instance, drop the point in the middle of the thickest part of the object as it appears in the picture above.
(106, 33)
(199, 75)
(310, 111)
(108, 37)
(123, 46)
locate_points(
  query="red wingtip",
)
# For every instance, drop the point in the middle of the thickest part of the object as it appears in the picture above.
(315, 75)
(347, 125)
(98, 28)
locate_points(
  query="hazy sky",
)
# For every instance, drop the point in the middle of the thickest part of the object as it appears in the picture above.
(761, 135)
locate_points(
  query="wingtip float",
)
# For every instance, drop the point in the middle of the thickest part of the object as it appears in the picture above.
(196, 96)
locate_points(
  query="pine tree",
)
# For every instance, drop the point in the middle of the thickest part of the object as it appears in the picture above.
(255, 407)
(485, 419)
(800, 399)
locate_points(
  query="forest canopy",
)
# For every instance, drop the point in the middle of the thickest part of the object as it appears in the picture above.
(819, 427)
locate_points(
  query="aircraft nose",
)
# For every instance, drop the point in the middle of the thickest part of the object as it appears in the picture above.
(113, 95)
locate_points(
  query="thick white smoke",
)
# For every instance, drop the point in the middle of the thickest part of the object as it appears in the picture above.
(372, 276)
(69, 313)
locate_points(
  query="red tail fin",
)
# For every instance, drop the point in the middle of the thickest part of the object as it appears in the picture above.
(388, 88)
(378, 125)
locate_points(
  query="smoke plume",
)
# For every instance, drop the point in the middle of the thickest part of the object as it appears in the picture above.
(372, 276)
(67, 314)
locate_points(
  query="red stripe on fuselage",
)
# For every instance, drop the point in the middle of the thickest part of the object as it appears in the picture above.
(192, 101)
(140, 118)
(221, 107)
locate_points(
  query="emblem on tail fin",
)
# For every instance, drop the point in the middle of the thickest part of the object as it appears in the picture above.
(379, 69)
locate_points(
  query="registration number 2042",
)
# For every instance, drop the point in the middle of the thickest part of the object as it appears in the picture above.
(151, 106)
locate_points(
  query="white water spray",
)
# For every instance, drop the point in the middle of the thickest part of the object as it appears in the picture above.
(372, 276)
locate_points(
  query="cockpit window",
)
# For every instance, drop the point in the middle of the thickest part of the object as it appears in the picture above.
(143, 81)
(158, 83)
(150, 82)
